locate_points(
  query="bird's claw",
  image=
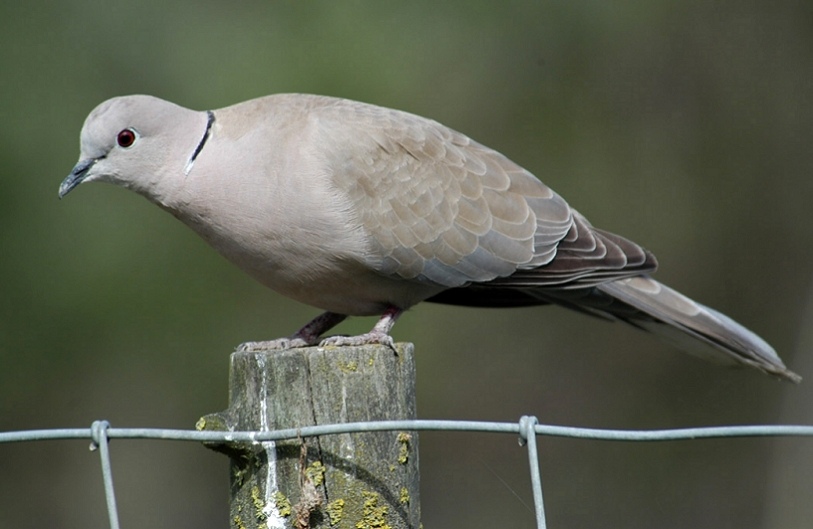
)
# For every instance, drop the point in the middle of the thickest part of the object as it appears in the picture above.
(280, 344)
(370, 338)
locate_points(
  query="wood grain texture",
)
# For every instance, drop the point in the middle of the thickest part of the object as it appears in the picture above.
(337, 481)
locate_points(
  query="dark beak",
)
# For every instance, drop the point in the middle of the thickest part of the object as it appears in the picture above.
(76, 177)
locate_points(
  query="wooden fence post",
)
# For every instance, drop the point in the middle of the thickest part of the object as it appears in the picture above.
(343, 481)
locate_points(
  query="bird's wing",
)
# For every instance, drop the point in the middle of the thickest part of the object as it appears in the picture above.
(440, 207)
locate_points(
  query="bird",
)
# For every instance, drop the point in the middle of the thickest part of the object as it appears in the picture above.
(362, 210)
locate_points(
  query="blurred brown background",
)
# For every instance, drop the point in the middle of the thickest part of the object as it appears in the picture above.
(684, 125)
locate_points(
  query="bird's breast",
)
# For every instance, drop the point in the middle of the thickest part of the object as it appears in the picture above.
(297, 237)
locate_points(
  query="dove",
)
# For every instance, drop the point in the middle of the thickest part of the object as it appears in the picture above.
(361, 210)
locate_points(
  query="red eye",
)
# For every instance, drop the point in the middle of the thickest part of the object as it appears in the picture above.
(126, 138)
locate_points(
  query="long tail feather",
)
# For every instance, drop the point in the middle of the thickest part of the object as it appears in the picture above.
(692, 327)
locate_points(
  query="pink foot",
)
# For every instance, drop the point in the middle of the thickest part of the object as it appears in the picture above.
(280, 344)
(369, 338)
(304, 337)
(379, 335)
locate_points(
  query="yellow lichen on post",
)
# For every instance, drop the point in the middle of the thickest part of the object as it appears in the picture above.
(349, 367)
(315, 473)
(259, 505)
(373, 515)
(335, 509)
(282, 504)
(403, 451)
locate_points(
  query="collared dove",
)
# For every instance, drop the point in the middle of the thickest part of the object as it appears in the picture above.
(361, 210)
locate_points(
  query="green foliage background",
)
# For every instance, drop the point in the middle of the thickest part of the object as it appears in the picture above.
(684, 125)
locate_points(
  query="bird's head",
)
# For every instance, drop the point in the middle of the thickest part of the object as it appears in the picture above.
(138, 142)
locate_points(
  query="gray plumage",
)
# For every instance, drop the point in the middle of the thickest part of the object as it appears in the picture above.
(362, 210)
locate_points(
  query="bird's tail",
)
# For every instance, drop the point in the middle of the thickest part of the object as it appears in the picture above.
(692, 327)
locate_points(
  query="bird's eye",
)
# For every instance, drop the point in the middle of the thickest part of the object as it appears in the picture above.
(126, 138)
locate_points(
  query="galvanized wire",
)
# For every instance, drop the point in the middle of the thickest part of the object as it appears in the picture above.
(528, 436)
(527, 429)
(550, 430)
(98, 432)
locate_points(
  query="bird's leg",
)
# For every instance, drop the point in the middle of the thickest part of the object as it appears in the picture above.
(307, 335)
(380, 334)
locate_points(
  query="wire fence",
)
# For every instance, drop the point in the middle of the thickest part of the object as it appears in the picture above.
(527, 428)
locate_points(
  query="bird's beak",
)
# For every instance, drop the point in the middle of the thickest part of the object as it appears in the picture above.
(76, 177)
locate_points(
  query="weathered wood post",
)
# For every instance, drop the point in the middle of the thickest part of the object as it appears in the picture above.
(343, 481)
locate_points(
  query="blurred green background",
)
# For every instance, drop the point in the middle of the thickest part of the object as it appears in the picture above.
(684, 125)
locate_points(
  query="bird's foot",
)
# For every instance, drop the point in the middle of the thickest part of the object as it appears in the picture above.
(304, 337)
(379, 335)
(372, 337)
(280, 344)
(310, 333)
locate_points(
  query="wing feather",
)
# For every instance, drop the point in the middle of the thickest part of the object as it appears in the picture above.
(439, 207)
(435, 205)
